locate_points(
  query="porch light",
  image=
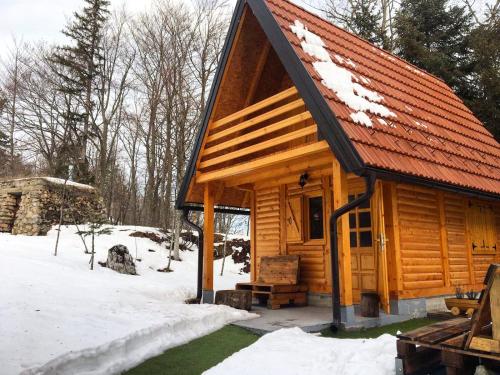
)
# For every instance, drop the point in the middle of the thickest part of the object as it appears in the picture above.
(303, 179)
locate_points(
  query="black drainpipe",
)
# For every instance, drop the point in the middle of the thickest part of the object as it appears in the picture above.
(334, 253)
(185, 218)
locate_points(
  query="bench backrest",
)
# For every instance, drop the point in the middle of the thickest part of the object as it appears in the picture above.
(282, 269)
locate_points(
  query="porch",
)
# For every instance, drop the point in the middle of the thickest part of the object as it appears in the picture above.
(269, 158)
(313, 319)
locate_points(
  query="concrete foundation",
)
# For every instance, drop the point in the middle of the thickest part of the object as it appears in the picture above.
(309, 319)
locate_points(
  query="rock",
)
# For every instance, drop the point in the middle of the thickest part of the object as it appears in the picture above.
(239, 299)
(120, 260)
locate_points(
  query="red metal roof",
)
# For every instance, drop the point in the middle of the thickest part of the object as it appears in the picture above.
(433, 136)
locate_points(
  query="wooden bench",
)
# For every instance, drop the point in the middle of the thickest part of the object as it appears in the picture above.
(457, 344)
(277, 284)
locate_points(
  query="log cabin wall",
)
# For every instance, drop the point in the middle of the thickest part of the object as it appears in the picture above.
(438, 241)
(282, 227)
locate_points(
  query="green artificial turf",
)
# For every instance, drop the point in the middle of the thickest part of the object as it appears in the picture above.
(198, 355)
(377, 331)
(205, 352)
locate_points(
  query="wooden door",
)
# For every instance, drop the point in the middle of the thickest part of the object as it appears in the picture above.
(380, 247)
(363, 259)
(481, 222)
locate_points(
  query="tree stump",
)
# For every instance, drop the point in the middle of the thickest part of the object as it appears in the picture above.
(239, 299)
(369, 304)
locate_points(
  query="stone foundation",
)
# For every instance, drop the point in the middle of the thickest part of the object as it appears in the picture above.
(31, 206)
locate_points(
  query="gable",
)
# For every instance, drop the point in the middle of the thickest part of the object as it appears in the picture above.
(423, 134)
(258, 123)
(433, 135)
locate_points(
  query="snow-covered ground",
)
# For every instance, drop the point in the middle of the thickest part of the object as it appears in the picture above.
(293, 352)
(57, 316)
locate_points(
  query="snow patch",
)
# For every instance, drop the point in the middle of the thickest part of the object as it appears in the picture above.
(131, 350)
(361, 118)
(56, 314)
(294, 352)
(340, 80)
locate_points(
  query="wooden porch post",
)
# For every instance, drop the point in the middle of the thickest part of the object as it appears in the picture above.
(208, 244)
(340, 199)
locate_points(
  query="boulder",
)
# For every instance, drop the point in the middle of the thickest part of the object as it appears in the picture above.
(120, 260)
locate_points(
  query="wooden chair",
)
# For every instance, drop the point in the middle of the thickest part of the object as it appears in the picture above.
(278, 282)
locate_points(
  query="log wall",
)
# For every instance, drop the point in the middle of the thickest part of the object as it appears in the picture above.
(434, 242)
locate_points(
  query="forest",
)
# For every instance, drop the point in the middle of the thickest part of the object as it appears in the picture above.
(121, 100)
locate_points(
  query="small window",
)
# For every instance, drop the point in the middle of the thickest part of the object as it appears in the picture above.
(360, 224)
(365, 220)
(353, 239)
(365, 239)
(315, 218)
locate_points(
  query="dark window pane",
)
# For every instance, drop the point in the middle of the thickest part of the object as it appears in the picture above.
(352, 220)
(353, 240)
(365, 204)
(316, 218)
(365, 239)
(365, 220)
(350, 198)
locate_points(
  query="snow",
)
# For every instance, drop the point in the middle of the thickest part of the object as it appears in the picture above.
(340, 80)
(382, 121)
(57, 316)
(60, 181)
(57, 181)
(361, 118)
(294, 352)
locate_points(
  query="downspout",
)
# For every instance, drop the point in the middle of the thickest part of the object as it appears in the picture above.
(334, 253)
(185, 218)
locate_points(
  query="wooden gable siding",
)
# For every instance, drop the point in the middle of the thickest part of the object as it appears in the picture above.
(434, 235)
(267, 224)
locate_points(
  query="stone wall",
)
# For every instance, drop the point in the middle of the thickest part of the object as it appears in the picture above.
(32, 205)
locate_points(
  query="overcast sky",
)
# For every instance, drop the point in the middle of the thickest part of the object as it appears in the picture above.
(32, 20)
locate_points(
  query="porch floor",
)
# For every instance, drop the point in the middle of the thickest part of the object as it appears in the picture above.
(310, 319)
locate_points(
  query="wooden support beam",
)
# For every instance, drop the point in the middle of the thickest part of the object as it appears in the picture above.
(264, 162)
(255, 120)
(281, 173)
(444, 240)
(208, 244)
(304, 132)
(255, 107)
(340, 195)
(327, 191)
(253, 238)
(468, 241)
(396, 238)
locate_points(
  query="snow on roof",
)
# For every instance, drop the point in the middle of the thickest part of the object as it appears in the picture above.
(340, 80)
(55, 180)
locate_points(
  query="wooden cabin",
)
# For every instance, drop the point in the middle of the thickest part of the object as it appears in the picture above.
(302, 116)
